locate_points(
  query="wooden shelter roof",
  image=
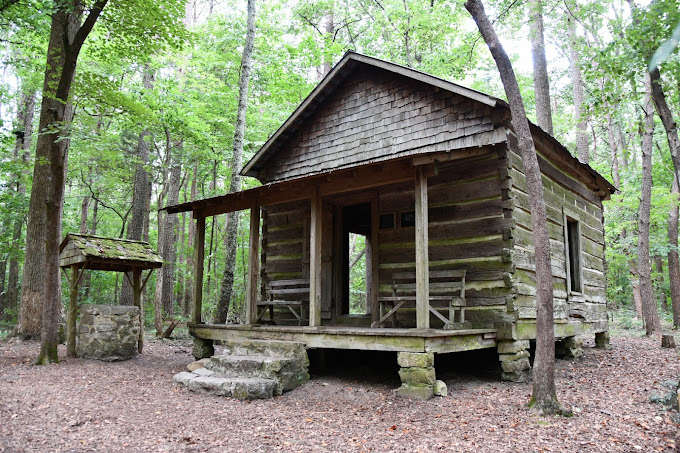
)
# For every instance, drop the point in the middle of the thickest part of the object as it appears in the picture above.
(107, 254)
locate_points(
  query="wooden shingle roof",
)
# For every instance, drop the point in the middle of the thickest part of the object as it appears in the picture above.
(350, 63)
(107, 254)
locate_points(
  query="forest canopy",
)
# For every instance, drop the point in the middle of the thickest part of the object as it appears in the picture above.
(157, 87)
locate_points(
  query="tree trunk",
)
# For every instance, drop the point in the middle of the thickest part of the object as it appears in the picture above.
(659, 281)
(328, 43)
(22, 150)
(236, 163)
(140, 213)
(66, 40)
(87, 276)
(673, 260)
(579, 98)
(612, 144)
(667, 119)
(544, 397)
(164, 295)
(189, 283)
(541, 81)
(649, 309)
(637, 301)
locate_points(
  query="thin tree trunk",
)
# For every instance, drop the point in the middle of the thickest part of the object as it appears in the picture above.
(140, 195)
(673, 260)
(544, 396)
(182, 258)
(674, 145)
(660, 280)
(84, 208)
(164, 301)
(22, 149)
(87, 276)
(667, 119)
(237, 159)
(328, 37)
(612, 144)
(188, 289)
(579, 98)
(541, 81)
(637, 301)
(649, 309)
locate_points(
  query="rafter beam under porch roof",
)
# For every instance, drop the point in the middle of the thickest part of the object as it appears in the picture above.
(358, 178)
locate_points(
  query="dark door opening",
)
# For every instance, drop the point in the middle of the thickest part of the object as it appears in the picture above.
(356, 233)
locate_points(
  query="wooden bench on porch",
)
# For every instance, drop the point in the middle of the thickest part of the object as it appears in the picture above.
(447, 293)
(293, 294)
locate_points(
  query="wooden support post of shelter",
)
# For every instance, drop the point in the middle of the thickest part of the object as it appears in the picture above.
(199, 256)
(315, 261)
(81, 252)
(253, 264)
(422, 259)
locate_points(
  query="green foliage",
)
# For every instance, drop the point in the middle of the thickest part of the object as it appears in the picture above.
(357, 275)
(194, 96)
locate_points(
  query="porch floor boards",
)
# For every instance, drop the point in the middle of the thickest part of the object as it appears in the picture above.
(364, 338)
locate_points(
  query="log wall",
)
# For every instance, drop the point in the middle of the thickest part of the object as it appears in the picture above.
(563, 195)
(284, 250)
(468, 229)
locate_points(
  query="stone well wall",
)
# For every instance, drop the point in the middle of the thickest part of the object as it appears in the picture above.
(108, 332)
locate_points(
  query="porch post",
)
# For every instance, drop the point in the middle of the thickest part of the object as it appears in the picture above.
(315, 261)
(253, 264)
(374, 269)
(422, 259)
(199, 255)
(72, 311)
(137, 302)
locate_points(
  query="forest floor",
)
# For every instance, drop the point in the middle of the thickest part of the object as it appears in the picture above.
(88, 405)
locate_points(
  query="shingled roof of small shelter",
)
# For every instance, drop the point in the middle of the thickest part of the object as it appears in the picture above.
(108, 254)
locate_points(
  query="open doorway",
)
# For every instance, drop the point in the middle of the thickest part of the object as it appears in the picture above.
(358, 291)
(356, 233)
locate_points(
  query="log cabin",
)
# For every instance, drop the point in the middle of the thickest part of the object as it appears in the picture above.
(427, 174)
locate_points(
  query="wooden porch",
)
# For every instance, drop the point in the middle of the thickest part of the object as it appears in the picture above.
(365, 338)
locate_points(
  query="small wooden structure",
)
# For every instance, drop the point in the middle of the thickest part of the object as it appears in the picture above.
(429, 172)
(81, 252)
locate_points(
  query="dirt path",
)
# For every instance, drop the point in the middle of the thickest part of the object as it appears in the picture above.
(84, 405)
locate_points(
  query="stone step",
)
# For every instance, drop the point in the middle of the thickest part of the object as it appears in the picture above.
(270, 348)
(289, 372)
(244, 388)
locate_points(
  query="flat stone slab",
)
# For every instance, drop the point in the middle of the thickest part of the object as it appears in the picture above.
(289, 372)
(236, 387)
(270, 348)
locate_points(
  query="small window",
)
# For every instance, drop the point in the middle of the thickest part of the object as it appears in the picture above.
(386, 221)
(408, 219)
(572, 244)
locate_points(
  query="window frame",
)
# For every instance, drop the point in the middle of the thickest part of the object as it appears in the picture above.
(573, 218)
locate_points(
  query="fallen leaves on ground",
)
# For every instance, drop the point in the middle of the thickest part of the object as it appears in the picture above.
(87, 405)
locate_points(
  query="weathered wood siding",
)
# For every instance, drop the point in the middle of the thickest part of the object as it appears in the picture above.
(562, 192)
(469, 228)
(376, 115)
(284, 249)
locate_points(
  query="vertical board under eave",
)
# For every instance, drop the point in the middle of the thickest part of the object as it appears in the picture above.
(467, 230)
(562, 193)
